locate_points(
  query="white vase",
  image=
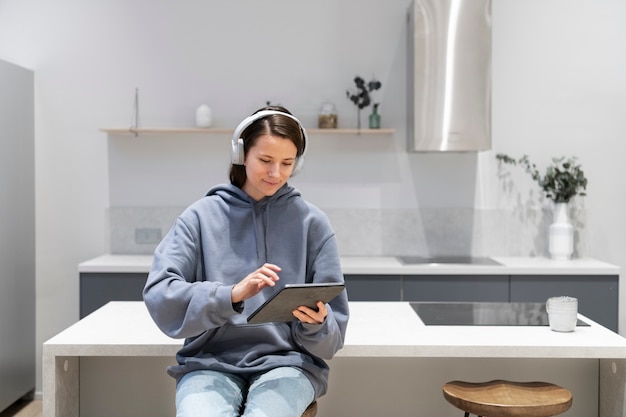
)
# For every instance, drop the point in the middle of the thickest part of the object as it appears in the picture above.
(204, 116)
(561, 238)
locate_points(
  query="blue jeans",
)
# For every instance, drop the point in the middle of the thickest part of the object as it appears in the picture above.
(280, 392)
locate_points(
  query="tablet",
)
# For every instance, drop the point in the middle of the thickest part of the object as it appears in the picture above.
(279, 307)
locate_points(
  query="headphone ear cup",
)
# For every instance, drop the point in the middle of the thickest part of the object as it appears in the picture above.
(298, 166)
(237, 156)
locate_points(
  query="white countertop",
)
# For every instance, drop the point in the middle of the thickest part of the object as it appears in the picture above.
(375, 329)
(390, 265)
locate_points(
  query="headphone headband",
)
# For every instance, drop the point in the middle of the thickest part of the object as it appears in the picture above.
(238, 154)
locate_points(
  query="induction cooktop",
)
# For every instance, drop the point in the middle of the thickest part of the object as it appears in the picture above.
(483, 314)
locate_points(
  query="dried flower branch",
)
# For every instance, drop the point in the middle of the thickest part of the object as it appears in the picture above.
(361, 97)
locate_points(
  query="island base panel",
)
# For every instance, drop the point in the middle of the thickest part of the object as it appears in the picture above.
(358, 386)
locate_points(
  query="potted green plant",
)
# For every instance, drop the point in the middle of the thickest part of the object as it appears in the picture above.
(562, 181)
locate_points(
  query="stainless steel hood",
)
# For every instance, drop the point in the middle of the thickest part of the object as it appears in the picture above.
(449, 75)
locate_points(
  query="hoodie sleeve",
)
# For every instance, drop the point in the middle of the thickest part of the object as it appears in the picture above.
(326, 339)
(180, 301)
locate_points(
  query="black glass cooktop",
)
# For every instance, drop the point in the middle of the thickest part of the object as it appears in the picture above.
(483, 314)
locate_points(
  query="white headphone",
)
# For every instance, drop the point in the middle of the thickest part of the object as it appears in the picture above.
(238, 154)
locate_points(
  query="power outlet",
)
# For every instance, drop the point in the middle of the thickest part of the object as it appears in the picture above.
(146, 235)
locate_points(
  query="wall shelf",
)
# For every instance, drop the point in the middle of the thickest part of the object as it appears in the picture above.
(218, 130)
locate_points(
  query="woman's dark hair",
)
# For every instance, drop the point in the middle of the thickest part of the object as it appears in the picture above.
(273, 124)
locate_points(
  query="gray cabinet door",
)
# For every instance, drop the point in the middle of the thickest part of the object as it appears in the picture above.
(373, 287)
(597, 294)
(97, 289)
(456, 288)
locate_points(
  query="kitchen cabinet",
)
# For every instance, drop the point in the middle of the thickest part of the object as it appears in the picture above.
(455, 288)
(97, 289)
(597, 295)
(374, 287)
(594, 283)
(427, 287)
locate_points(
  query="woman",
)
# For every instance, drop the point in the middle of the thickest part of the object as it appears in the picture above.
(213, 268)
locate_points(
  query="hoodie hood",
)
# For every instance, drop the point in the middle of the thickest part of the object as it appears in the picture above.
(264, 214)
(236, 196)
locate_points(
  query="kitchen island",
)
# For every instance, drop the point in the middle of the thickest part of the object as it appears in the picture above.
(112, 363)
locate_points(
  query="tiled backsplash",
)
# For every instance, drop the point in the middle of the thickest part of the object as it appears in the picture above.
(369, 232)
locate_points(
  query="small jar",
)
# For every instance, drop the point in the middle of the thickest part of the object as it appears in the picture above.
(327, 118)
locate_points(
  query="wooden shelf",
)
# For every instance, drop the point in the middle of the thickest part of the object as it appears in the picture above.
(217, 130)
(351, 131)
(164, 131)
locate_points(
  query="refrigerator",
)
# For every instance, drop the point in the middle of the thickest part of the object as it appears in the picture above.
(17, 234)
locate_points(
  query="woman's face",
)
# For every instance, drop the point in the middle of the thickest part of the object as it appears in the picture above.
(269, 164)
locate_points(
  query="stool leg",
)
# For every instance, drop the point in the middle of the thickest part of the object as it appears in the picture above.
(467, 414)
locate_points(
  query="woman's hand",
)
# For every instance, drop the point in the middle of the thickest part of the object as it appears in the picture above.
(309, 315)
(265, 276)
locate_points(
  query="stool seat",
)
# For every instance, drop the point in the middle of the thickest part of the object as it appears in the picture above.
(500, 398)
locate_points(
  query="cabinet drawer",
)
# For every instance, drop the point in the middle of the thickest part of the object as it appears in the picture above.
(97, 289)
(455, 288)
(373, 287)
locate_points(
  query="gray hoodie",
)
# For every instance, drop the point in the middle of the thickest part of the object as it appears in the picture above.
(215, 243)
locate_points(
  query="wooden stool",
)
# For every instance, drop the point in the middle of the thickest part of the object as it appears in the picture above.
(311, 410)
(501, 398)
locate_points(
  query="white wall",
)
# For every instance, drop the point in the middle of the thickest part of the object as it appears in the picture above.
(558, 89)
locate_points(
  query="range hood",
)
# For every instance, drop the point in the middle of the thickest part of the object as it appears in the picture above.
(449, 75)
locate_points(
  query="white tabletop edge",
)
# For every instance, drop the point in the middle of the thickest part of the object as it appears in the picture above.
(377, 329)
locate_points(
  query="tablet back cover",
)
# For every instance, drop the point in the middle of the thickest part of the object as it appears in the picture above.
(279, 307)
